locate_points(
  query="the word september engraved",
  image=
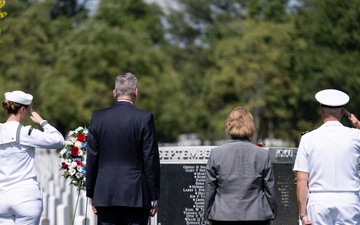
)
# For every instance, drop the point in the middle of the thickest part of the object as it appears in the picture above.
(189, 154)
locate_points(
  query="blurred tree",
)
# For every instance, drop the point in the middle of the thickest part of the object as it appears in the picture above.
(30, 50)
(122, 36)
(2, 13)
(70, 68)
(231, 53)
(134, 16)
(252, 70)
(214, 55)
(63, 7)
(328, 55)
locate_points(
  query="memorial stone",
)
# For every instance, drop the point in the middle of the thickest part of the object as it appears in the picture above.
(183, 179)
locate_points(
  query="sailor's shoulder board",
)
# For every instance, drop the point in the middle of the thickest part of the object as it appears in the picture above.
(305, 132)
(30, 130)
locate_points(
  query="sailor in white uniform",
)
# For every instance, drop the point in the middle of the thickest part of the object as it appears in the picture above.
(327, 166)
(20, 193)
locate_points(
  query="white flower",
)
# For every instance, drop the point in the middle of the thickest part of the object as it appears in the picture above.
(71, 133)
(63, 151)
(73, 165)
(78, 144)
(72, 140)
(79, 168)
(72, 171)
(79, 129)
(69, 163)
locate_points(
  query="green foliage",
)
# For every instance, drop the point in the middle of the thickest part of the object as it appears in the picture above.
(252, 71)
(92, 56)
(216, 55)
(134, 16)
(328, 59)
(233, 53)
(30, 50)
(2, 13)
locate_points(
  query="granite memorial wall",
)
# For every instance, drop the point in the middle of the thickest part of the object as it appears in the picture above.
(183, 178)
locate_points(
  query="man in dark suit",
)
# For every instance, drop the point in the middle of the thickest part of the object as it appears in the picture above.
(123, 166)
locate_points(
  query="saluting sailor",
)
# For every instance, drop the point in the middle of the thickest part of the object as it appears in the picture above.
(327, 165)
(20, 193)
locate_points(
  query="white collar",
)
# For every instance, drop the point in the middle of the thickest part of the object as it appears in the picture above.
(332, 123)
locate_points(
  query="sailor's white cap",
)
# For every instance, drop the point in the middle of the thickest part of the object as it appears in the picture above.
(332, 98)
(19, 97)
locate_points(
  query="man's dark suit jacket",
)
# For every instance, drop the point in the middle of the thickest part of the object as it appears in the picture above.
(122, 166)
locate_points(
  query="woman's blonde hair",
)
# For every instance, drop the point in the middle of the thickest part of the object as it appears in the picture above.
(240, 123)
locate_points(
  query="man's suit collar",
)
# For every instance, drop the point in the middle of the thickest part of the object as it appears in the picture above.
(125, 101)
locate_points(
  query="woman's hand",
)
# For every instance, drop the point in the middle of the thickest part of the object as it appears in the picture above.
(34, 116)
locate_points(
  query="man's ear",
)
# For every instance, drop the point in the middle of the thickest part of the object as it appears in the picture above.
(322, 113)
(136, 92)
(342, 112)
(114, 94)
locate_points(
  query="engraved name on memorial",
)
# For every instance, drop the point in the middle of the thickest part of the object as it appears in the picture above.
(182, 185)
(283, 161)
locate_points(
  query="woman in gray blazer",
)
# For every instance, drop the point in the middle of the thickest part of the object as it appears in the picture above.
(239, 186)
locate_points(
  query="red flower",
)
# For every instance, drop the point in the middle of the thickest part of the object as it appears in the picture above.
(64, 165)
(78, 163)
(74, 151)
(81, 137)
(260, 144)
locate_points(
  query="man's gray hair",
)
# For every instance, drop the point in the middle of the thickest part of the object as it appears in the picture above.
(125, 84)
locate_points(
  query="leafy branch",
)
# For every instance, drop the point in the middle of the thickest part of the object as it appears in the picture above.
(2, 13)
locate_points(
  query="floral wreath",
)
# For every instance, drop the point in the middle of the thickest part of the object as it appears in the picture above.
(73, 157)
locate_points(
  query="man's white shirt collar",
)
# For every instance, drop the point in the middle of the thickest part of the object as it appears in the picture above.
(125, 101)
